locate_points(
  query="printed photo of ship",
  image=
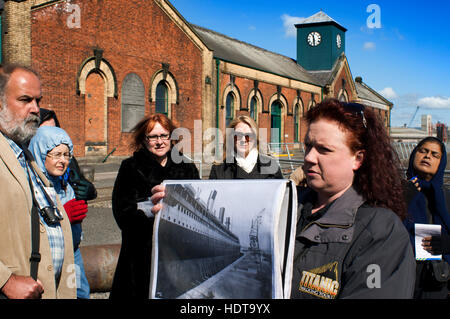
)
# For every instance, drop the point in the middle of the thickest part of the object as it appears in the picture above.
(215, 240)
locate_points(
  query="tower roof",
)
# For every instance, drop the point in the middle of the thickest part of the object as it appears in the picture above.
(320, 18)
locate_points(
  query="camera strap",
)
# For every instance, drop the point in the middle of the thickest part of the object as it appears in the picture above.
(35, 257)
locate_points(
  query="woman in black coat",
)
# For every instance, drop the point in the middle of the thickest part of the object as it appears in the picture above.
(149, 166)
(241, 157)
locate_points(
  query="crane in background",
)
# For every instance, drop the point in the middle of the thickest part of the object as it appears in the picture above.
(414, 116)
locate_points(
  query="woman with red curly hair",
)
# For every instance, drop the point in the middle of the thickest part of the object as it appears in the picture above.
(350, 241)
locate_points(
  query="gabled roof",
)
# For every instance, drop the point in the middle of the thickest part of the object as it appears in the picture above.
(368, 94)
(244, 54)
(326, 77)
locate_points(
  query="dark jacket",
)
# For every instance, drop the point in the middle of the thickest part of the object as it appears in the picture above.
(265, 168)
(429, 206)
(351, 251)
(136, 177)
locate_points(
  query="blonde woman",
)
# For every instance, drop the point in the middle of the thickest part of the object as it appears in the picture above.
(241, 159)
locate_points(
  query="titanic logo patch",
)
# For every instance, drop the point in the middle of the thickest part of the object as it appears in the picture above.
(321, 282)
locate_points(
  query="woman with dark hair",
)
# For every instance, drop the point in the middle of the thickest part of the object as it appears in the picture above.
(241, 158)
(150, 165)
(350, 240)
(429, 203)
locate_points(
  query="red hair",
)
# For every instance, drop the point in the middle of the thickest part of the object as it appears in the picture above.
(378, 179)
(146, 125)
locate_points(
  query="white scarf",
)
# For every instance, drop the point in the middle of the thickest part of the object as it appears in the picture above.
(248, 162)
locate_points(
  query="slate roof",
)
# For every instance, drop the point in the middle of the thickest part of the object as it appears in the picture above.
(241, 53)
(367, 93)
(319, 18)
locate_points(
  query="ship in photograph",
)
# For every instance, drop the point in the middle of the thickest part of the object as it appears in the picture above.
(215, 239)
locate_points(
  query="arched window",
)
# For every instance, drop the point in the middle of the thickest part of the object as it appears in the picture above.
(253, 108)
(133, 101)
(229, 109)
(162, 98)
(275, 125)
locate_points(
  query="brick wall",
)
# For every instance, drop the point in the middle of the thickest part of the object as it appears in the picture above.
(16, 30)
(245, 87)
(135, 36)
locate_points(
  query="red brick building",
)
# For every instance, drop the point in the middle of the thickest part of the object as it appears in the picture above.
(105, 64)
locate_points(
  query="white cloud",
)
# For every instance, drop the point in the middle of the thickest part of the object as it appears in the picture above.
(388, 93)
(369, 46)
(435, 102)
(289, 25)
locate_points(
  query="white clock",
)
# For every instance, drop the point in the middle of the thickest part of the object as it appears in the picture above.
(338, 41)
(314, 38)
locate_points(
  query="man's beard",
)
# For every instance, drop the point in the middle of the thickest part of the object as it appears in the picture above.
(20, 131)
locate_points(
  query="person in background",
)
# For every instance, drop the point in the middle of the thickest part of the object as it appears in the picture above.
(298, 176)
(20, 94)
(84, 189)
(241, 159)
(428, 203)
(350, 241)
(53, 149)
(150, 165)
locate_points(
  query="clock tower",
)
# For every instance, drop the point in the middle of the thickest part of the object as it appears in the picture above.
(320, 41)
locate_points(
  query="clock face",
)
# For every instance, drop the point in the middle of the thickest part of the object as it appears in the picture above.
(338, 41)
(314, 38)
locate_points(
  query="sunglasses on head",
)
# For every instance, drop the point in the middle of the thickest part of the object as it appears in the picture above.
(356, 108)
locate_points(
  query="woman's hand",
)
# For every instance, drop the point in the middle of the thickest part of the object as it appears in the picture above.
(437, 245)
(415, 182)
(158, 193)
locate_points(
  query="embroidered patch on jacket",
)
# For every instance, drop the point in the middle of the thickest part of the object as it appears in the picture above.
(321, 281)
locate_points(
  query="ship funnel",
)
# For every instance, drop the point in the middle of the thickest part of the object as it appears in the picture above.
(228, 223)
(211, 199)
(221, 214)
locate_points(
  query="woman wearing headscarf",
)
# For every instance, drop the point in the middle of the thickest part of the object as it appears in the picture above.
(429, 203)
(83, 188)
(52, 149)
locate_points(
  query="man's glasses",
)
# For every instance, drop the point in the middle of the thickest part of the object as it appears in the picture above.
(154, 138)
(58, 155)
(356, 108)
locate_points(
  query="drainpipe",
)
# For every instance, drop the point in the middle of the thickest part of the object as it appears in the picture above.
(217, 102)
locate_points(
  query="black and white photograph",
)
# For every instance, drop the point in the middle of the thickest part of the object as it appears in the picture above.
(218, 240)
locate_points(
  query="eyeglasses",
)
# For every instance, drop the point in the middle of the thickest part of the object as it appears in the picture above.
(154, 138)
(58, 155)
(247, 136)
(356, 108)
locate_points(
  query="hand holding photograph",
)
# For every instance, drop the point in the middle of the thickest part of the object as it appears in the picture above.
(224, 239)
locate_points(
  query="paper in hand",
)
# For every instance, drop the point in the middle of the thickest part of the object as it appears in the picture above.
(146, 207)
(421, 231)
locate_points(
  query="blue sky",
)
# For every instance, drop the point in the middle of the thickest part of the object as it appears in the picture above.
(406, 58)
